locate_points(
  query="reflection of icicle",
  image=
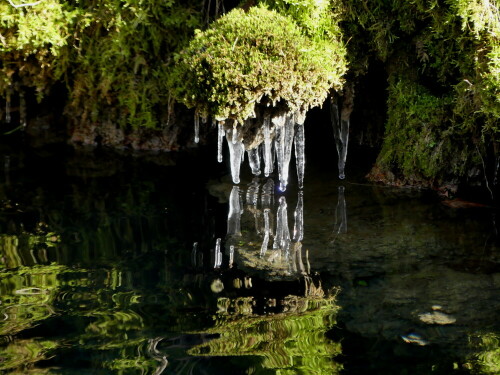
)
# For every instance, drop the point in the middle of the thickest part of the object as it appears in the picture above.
(254, 160)
(341, 135)
(267, 194)
(300, 153)
(283, 143)
(265, 242)
(235, 211)
(218, 254)
(220, 139)
(268, 155)
(22, 110)
(156, 355)
(7, 107)
(341, 213)
(282, 238)
(231, 256)
(253, 192)
(196, 127)
(235, 154)
(252, 201)
(194, 254)
(298, 228)
(298, 253)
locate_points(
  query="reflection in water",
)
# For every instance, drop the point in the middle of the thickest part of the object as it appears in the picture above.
(291, 340)
(97, 275)
(285, 255)
(340, 214)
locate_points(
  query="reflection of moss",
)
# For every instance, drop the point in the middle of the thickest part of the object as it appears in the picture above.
(292, 340)
(27, 295)
(23, 353)
(488, 361)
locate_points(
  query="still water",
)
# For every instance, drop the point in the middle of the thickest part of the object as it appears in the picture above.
(111, 265)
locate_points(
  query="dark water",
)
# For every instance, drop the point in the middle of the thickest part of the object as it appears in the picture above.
(98, 274)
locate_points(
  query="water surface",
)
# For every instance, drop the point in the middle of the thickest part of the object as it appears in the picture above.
(99, 275)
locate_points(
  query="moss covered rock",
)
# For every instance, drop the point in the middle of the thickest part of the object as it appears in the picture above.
(259, 56)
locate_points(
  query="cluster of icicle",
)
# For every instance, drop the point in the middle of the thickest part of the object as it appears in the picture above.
(279, 133)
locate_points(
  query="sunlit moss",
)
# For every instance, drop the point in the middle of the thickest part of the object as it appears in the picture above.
(259, 56)
(31, 44)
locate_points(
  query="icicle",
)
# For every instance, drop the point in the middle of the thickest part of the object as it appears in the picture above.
(282, 238)
(298, 228)
(300, 158)
(341, 213)
(235, 211)
(22, 110)
(268, 159)
(283, 143)
(300, 117)
(254, 160)
(235, 133)
(235, 151)
(265, 242)
(218, 254)
(220, 139)
(341, 135)
(196, 127)
(7, 107)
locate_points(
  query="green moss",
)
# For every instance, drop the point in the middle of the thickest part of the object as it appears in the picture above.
(421, 140)
(256, 57)
(31, 43)
(124, 57)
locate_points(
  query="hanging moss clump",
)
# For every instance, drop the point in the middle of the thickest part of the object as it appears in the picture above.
(259, 56)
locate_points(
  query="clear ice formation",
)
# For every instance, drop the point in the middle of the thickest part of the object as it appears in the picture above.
(300, 153)
(254, 160)
(235, 133)
(341, 135)
(220, 139)
(196, 127)
(283, 143)
(236, 154)
(235, 211)
(279, 134)
(268, 152)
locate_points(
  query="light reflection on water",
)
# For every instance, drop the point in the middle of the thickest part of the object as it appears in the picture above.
(99, 275)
